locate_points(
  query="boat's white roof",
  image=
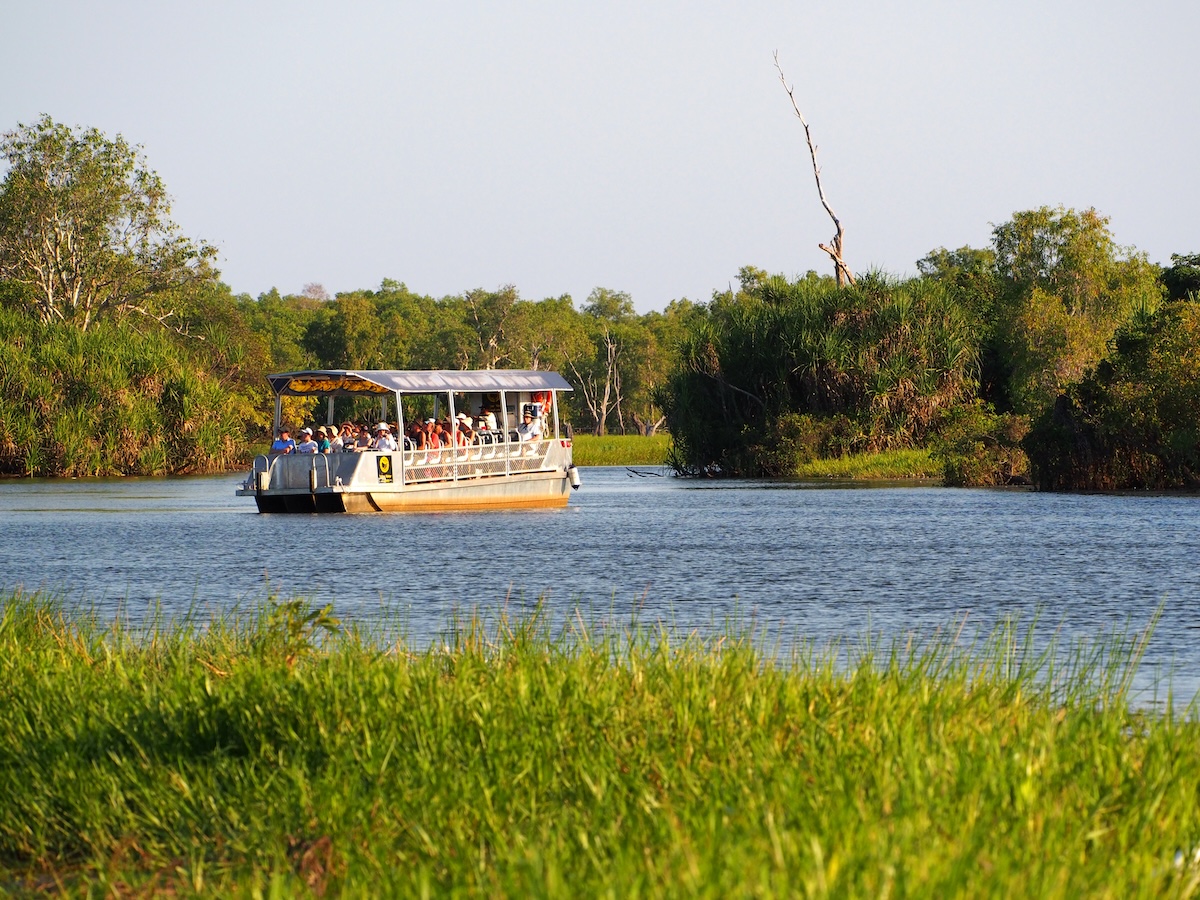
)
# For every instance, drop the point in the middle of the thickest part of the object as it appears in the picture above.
(340, 382)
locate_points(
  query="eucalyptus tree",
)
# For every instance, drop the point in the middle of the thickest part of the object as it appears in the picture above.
(85, 225)
(486, 315)
(284, 323)
(598, 374)
(1065, 288)
(346, 334)
(547, 334)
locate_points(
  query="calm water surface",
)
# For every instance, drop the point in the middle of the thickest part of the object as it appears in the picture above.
(816, 561)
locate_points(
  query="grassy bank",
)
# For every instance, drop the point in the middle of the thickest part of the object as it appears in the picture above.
(620, 450)
(268, 752)
(634, 450)
(893, 464)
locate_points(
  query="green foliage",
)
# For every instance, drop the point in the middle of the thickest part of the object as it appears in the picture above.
(197, 759)
(85, 227)
(975, 447)
(770, 377)
(616, 358)
(1066, 288)
(1134, 422)
(110, 401)
(1181, 279)
(969, 273)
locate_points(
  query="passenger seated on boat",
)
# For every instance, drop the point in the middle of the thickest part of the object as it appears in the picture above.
(487, 419)
(530, 428)
(463, 432)
(308, 445)
(284, 443)
(323, 443)
(414, 437)
(384, 442)
(363, 441)
(345, 439)
(432, 440)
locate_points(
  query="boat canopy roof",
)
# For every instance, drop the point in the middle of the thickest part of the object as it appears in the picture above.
(340, 383)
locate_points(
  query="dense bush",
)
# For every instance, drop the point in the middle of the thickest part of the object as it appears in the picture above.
(1133, 422)
(110, 401)
(976, 446)
(787, 369)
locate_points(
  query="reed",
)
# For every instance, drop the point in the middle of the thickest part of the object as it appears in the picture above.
(277, 751)
(620, 449)
(886, 466)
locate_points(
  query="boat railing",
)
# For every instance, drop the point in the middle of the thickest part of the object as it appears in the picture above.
(290, 471)
(490, 456)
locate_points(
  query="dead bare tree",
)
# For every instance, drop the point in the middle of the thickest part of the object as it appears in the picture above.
(834, 247)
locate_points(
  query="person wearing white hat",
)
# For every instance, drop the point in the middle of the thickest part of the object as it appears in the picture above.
(384, 442)
(307, 445)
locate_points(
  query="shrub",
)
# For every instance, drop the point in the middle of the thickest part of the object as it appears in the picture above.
(977, 447)
(109, 401)
(1134, 421)
(877, 364)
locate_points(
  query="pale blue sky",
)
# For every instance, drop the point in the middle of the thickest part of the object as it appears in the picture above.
(640, 146)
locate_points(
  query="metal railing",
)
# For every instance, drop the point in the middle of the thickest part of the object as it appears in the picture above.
(486, 458)
(491, 456)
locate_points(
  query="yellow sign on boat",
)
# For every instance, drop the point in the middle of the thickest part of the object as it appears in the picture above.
(383, 469)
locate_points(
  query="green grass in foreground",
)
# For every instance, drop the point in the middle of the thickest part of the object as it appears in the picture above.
(891, 464)
(242, 757)
(620, 450)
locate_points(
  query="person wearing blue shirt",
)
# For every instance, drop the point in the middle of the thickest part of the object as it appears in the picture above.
(284, 443)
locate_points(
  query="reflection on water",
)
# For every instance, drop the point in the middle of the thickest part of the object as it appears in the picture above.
(816, 561)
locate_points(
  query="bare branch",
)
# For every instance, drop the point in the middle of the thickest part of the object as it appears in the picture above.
(834, 249)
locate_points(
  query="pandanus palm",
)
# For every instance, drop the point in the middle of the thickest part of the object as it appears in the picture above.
(887, 354)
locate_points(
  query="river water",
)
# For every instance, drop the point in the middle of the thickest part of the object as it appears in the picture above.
(796, 560)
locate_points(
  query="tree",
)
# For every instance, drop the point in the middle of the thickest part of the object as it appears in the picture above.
(84, 223)
(346, 334)
(969, 273)
(1065, 287)
(598, 376)
(1134, 420)
(546, 334)
(1182, 277)
(837, 243)
(487, 315)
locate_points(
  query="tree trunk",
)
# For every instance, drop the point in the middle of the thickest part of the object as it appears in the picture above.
(835, 247)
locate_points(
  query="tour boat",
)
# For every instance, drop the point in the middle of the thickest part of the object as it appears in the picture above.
(502, 465)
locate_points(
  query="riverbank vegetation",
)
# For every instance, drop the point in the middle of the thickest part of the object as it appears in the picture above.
(1024, 361)
(888, 465)
(620, 450)
(278, 751)
(961, 361)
